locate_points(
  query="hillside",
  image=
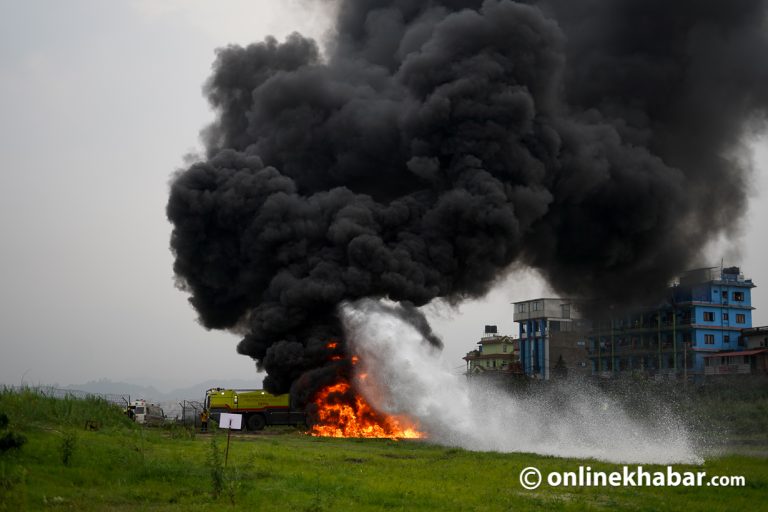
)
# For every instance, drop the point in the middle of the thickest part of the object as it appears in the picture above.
(152, 394)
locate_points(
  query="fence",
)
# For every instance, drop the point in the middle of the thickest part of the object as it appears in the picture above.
(187, 413)
(190, 412)
(52, 392)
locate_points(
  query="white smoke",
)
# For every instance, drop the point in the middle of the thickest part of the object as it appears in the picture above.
(403, 376)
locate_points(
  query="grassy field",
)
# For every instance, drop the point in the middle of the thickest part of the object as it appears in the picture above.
(122, 467)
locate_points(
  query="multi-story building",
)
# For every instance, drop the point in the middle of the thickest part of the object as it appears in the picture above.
(496, 355)
(705, 313)
(551, 335)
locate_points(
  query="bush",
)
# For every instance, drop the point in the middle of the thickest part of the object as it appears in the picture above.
(217, 469)
(67, 448)
(9, 440)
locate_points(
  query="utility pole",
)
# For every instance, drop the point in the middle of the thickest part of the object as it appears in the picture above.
(613, 351)
(674, 337)
(658, 336)
(599, 351)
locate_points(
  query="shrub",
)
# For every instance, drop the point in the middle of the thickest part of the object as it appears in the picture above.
(9, 440)
(67, 448)
(217, 469)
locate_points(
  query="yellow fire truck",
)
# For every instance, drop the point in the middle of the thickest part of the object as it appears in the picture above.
(258, 407)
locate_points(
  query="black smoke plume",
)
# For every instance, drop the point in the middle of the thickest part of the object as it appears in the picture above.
(438, 142)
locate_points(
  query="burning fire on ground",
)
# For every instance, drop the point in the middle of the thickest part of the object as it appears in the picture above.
(343, 412)
(338, 415)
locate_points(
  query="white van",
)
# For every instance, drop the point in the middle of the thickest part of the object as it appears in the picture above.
(149, 414)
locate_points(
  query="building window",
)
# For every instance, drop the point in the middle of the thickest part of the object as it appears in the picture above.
(740, 318)
(726, 338)
(709, 339)
(738, 296)
(566, 310)
(536, 306)
(709, 316)
(503, 347)
(521, 308)
(725, 294)
(726, 317)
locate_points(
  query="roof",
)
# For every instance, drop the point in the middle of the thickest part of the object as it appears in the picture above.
(749, 331)
(506, 355)
(496, 339)
(738, 353)
(563, 299)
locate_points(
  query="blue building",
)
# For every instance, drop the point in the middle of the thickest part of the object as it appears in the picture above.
(704, 314)
(550, 334)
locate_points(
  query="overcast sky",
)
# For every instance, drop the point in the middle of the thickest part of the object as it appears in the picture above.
(99, 102)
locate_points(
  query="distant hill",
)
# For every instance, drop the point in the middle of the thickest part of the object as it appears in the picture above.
(152, 394)
(197, 391)
(105, 386)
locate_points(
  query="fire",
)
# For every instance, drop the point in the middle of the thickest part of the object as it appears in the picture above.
(332, 346)
(337, 417)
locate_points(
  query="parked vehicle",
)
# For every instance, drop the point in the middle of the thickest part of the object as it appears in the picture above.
(258, 407)
(146, 414)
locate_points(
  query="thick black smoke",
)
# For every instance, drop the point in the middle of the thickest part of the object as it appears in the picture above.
(440, 141)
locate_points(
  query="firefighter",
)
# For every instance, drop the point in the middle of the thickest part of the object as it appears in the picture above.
(204, 420)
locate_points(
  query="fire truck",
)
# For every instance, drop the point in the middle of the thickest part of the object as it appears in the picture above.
(258, 407)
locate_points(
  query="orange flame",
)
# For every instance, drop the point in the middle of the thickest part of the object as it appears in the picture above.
(338, 418)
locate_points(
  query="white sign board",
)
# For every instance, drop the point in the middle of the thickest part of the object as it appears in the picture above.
(231, 421)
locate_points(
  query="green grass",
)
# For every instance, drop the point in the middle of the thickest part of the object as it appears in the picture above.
(30, 409)
(122, 467)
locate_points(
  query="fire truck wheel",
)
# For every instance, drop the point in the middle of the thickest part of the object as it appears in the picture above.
(256, 422)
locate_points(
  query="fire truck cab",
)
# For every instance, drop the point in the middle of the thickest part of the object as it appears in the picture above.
(258, 407)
